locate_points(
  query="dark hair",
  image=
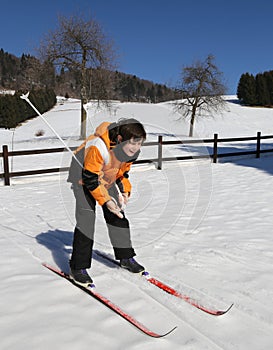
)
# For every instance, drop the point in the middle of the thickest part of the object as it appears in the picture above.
(127, 128)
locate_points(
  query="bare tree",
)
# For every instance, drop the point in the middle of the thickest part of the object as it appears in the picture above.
(79, 45)
(202, 90)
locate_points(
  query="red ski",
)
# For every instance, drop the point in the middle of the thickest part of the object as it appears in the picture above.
(189, 300)
(171, 290)
(91, 291)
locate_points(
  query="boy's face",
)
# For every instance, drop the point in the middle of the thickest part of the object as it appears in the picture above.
(132, 146)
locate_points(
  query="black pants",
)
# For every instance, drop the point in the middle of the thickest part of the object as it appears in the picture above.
(118, 230)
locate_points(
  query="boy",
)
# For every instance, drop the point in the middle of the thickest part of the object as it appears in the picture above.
(106, 157)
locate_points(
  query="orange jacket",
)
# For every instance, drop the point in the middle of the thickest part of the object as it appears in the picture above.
(101, 167)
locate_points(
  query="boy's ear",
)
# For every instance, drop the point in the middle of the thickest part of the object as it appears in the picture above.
(119, 138)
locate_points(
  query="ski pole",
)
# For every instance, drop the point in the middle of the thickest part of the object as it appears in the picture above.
(25, 97)
(120, 196)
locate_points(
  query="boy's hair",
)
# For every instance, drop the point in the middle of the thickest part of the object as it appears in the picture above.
(127, 128)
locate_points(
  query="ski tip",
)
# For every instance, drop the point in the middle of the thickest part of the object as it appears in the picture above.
(229, 307)
(169, 332)
(219, 313)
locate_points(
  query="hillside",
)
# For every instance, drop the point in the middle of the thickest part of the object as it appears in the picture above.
(27, 72)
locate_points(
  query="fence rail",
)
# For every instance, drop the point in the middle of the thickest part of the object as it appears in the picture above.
(214, 155)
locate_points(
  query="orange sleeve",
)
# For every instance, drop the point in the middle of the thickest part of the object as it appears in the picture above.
(125, 184)
(93, 163)
(101, 195)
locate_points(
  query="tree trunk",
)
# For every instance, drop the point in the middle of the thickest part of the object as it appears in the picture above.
(83, 96)
(191, 126)
(192, 120)
(83, 119)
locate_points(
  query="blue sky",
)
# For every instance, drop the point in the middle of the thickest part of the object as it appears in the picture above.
(156, 38)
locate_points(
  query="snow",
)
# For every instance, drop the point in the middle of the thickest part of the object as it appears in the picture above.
(202, 228)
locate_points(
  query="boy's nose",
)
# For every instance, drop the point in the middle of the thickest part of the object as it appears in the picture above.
(136, 148)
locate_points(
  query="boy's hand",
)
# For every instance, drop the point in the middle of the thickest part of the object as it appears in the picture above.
(114, 208)
(123, 200)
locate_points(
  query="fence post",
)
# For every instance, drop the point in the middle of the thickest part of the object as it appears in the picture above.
(215, 140)
(6, 165)
(258, 147)
(159, 164)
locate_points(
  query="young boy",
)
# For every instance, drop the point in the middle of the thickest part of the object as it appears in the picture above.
(106, 157)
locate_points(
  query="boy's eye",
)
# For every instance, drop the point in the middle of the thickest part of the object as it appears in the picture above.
(135, 142)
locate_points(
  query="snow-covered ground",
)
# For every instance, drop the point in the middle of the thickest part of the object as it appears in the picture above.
(203, 228)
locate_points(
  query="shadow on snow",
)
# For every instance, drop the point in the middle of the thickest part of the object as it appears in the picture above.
(264, 163)
(59, 243)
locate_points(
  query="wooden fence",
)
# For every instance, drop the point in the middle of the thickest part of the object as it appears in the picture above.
(214, 154)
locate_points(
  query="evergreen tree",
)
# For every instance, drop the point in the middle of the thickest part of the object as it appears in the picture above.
(269, 84)
(263, 97)
(13, 110)
(246, 90)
